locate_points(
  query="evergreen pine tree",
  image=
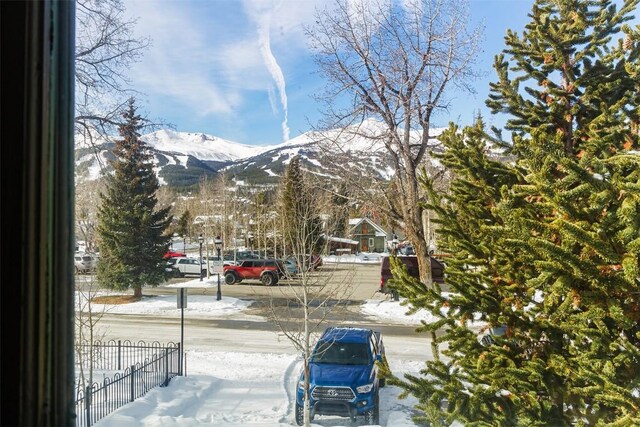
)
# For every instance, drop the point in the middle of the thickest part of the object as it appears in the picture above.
(184, 222)
(302, 225)
(339, 217)
(130, 228)
(546, 246)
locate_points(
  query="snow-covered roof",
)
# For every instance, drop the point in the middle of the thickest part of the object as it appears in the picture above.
(354, 222)
(199, 219)
(341, 240)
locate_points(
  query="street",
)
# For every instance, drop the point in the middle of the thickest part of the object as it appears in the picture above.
(245, 335)
(253, 331)
(240, 368)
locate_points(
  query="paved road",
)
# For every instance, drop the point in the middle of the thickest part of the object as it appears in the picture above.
(254, 331)
(359, 281)
(257, 336)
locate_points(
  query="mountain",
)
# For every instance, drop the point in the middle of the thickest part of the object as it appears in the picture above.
(182, 158)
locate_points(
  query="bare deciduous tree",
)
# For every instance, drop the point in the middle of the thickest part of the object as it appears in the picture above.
(87, 200)
(87, 331)
(105, 48)
(389, 65)
(310, 297)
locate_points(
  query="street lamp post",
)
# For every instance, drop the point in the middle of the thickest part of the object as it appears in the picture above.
(201, 241)
(250, 239)
(218, 242)
(394, 243)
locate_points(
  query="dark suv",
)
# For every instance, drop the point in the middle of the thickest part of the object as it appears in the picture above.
(344, 376)
(437, 271)
(268, 271)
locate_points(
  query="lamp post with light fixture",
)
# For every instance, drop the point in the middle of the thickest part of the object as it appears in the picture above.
(201, 241)
(218, 242)
(250, 241)
(394, 244)
(394, 252)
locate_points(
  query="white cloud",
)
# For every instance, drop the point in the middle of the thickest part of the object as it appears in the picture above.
(261, 14)
(180, 61)
(218, 58)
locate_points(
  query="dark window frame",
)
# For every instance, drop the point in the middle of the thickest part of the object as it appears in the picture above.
(37, 183)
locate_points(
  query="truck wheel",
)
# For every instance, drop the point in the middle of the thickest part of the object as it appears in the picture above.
(268, 279)
(299, 414)
(230, 278)
(372, 416)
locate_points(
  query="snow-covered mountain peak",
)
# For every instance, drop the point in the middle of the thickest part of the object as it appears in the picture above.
(200, 145)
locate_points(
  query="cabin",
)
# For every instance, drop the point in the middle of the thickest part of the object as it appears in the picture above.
(370, 236)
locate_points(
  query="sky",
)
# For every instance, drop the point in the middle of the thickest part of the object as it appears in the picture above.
(241, 69)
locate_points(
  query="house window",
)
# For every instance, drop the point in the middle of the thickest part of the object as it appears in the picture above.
(371, 243)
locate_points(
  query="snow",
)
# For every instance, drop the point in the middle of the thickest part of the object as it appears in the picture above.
(183, 160)
(201, 146)
(314, 161)
(225, 389)
(359, 258)
(393, 312)
(237, 388)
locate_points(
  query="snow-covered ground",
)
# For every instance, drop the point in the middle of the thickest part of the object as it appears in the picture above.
(233, 388)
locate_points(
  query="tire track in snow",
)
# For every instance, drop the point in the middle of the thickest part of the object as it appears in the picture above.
(289, 380)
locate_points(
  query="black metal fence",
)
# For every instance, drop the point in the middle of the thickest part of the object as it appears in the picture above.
(145, 366)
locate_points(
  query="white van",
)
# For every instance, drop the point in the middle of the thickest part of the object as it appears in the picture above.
(85, 262)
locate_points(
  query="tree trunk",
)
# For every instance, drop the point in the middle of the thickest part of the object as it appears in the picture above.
(137, 291)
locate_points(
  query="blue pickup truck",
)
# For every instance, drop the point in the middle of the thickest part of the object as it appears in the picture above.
(344, 377)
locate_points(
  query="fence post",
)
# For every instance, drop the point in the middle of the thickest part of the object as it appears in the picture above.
(166, 367)
(133, 375)
(180, 356)
(119, 354)
(87, 405)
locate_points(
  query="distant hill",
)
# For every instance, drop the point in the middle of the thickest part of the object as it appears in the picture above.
(182, 158)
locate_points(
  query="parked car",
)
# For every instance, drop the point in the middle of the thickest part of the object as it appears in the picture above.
(85, 262)
(171, 270)
(173, 254)
(291, 266)
(308, 261)
(406, 250)
(488, 339)
(315, 261)
(437, 271)
(234, 259)
(188, 266)
(344, 375)
(268, 271)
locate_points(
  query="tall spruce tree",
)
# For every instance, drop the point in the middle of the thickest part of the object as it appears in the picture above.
(339, 212)
(130, 228)
(546, 245)
(183, 227)
(302, 225)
